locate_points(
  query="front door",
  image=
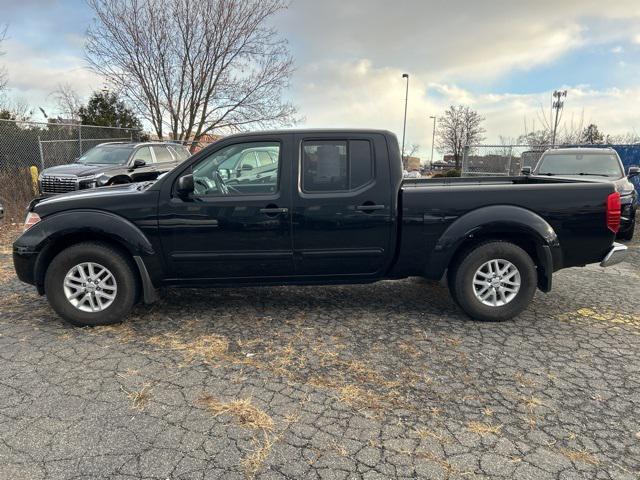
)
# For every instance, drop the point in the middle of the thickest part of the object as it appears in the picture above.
(228, 230)
(342, 212)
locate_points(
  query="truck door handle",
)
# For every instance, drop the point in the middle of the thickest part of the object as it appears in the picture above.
(273, 210)
(369, 207)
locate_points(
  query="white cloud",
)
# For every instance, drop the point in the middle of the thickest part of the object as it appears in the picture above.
(34, 75)
(347, 94)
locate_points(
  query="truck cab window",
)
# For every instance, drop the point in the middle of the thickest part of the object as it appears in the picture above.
(336, 165)
(234, 170)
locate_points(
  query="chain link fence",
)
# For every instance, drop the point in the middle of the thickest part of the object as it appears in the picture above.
(24, 145)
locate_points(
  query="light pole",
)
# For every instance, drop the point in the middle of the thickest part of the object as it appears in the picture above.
(433, 140)
(557, 105)
(406, 100)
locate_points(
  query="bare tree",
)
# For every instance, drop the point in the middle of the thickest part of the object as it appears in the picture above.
(629, 138)
(16, 109)
(68, 102)
(194, 66)
(3, 70)
(459, 126)
(410, 152)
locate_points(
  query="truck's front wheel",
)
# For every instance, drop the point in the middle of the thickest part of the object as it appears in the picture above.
(495, 281)
(91, 284)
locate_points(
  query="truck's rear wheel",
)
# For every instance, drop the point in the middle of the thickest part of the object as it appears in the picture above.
(91, 284)
(495, 281)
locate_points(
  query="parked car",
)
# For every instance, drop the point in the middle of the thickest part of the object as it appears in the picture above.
(254, 165)
(336, 211)
(600, 164)
(111, 164)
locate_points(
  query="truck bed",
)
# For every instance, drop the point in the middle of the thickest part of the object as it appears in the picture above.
(574, 209)
(475, 181)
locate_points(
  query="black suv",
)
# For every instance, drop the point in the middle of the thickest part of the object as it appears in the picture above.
(111, 164)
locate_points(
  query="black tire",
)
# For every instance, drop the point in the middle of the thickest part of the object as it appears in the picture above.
(103, 254)
(627, 234)
(461, 282)
(119, 181)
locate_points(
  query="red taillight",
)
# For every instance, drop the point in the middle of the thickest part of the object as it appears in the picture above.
(31, 220)
(614, 211)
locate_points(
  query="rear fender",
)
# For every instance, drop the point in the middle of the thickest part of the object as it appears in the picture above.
(495, 222)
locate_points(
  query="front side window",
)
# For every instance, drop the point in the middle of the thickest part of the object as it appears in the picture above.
(234, 170)
(336, 165)
(579, 164)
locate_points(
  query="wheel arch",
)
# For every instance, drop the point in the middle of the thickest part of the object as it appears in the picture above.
(119, 179)
(59, 231)
(507, 223)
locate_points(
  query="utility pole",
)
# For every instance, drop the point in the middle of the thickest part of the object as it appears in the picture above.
(406, 100)
(433, 141)
(557, 105)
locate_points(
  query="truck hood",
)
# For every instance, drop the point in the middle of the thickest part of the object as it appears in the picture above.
(78, 169)
(85, 198)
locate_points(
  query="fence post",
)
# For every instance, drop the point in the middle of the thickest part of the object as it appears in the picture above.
(41, 154)
(510, 160)
(465, 160)
(80, 139)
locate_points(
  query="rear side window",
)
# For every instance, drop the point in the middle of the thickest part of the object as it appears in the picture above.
(336, 165)
(162, 154)
(180, 152)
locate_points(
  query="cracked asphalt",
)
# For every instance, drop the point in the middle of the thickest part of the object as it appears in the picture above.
(388, 380)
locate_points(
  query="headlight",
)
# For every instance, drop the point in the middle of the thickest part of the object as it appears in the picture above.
(89, 182)
(31, 220)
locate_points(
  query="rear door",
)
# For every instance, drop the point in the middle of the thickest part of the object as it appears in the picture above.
(164, 158)
(342, 217)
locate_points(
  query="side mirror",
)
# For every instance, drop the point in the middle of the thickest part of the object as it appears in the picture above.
(246, 167)
(633, 172)
(185, 185)
(137, 163)
(225, 173)
(526, 170)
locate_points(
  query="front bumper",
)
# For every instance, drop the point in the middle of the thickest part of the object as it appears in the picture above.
(616, 255)
(24, 262)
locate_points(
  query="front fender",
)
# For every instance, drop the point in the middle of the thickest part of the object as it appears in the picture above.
(37, 246)
(494, 221)
(103, 224)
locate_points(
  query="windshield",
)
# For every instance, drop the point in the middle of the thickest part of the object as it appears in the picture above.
(596, 164)
(107, 155)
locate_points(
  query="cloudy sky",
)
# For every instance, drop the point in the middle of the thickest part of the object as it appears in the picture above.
(504, 58)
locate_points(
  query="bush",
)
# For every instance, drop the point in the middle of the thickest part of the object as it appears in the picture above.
(448, 173)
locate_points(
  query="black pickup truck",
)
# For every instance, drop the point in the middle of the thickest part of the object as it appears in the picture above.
(335, 210)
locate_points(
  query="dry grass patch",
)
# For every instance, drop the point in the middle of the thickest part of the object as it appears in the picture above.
(253, 462)
(203, 347)
(248, 416)
(579, 456)
(243, 411)
(484, 429)
(360, 398)
(139, 398)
